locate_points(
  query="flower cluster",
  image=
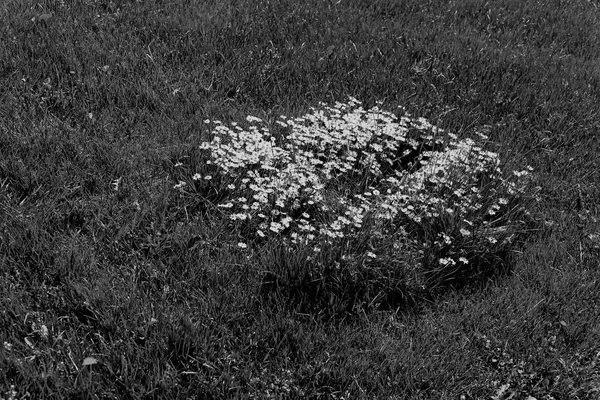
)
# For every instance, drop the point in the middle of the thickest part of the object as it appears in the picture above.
(341, 170)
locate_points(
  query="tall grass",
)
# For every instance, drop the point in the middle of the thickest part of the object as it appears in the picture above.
(398, 255)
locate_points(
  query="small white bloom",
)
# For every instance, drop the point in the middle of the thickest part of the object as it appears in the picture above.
(250, 118)
(43, 331)
(242, 245)
(286, 221)
(208, 177)
(447, 261)
(276, 227)
(447, 239)
(196, 176)
(519, 174)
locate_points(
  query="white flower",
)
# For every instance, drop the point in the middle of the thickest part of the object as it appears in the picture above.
(276, 227)
(286, 221)
(447, 261)
(43, 331)
(242, 245)
(250, 118)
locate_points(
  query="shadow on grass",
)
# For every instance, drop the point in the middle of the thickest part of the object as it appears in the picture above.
(342, 291)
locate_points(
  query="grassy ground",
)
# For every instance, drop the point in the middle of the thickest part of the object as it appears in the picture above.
(103, 263)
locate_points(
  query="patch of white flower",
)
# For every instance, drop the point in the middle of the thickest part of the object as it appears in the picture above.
(337, 170)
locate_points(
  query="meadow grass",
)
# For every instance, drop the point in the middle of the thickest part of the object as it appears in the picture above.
(282, 199)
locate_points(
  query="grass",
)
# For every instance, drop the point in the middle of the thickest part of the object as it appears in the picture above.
(118, 281)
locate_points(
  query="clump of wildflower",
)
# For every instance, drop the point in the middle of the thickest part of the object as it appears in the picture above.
(338, 171)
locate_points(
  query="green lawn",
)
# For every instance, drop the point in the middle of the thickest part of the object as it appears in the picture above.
(118, 281)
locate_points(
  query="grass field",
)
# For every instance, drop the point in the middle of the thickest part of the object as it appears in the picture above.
(130, 268)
